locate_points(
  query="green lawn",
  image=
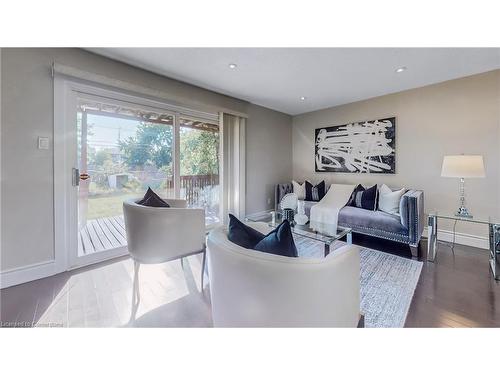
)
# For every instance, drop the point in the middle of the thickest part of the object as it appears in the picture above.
(107, 205)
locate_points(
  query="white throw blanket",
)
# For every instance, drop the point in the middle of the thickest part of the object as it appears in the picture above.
(325, 214)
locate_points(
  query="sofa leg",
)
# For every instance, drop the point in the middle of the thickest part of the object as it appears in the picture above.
(415, 251)
(361, 321)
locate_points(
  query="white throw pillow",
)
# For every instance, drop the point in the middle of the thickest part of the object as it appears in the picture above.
(388, 200)
(299, 189)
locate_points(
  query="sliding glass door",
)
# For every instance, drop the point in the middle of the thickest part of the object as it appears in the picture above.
(199, 167)
(121, 149)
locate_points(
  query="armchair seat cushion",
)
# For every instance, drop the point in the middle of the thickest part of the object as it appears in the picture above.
(359, 218)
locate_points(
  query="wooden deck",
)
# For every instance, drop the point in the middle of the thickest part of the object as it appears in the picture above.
(109, 233)
(101, 235)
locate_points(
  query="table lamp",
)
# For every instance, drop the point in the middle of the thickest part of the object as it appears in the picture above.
(463, 166)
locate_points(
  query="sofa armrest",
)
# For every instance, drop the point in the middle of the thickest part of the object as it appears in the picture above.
(280, 191)
(411, 209)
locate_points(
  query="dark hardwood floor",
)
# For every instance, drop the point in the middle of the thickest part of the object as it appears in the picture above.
(455, 291)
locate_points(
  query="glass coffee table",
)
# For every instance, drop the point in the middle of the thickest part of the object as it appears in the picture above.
(328, 235)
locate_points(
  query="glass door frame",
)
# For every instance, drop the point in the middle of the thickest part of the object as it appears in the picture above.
(66, 93)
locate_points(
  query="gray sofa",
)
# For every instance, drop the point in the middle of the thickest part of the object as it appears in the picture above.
(406, 228)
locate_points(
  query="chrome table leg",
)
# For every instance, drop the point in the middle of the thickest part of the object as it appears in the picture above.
(349, 238)
(203, 265)
(494, 230)
(432, 238)
(327, 249)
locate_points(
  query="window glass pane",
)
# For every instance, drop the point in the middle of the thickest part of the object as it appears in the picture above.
(124, 151)
(199, 166)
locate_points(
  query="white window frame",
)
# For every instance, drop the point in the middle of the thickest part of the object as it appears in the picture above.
(66, 90)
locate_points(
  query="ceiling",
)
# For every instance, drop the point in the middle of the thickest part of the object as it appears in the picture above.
(277, 78)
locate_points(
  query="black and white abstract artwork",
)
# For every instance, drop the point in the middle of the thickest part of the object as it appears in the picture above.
(359, 147)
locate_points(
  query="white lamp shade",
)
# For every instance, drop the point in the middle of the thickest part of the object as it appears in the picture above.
(463, 166)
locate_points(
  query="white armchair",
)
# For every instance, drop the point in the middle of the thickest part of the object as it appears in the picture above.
(158, 235)
(255, 289)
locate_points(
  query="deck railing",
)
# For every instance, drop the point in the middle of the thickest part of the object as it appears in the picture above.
(193, 186)
(199, 190)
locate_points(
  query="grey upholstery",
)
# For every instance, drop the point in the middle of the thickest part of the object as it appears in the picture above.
(406, 228)
(279, 193)
(412, 214)
(355, 217)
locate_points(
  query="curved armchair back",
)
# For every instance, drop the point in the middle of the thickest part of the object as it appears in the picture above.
(157, 235)
(255, 289)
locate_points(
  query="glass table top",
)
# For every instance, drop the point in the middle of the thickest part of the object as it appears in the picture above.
(473, 219)
(327, 234)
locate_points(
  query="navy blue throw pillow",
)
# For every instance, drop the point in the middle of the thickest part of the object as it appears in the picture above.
(353, 195)
(364, 198)
(315, 193)
(151, 199)
(243, 235)
(279, 241)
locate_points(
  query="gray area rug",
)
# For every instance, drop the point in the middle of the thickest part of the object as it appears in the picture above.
(387, 282)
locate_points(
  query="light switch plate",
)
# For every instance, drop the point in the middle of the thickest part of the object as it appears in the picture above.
(43, 143)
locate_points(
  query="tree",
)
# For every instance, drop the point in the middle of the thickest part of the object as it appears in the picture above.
(152, 145)
(199, 151)
(100, 157)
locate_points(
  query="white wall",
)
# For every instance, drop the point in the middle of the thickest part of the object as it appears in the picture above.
(458, 116)
(268, 156)
(27, 219)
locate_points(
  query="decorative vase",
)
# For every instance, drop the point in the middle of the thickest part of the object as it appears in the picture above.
(288, 215)
(301, 218)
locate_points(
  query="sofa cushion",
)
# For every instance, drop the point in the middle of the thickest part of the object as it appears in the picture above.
(354, 217)
(388, 200)
(364, 198)
(279, 241)
(243, 235)
(315, 193)
(299, 189)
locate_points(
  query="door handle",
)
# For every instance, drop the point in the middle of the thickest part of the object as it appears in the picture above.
(75, 176)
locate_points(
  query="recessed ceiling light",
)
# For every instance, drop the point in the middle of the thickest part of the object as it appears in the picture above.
(232, 66)
(400, 70)
(302, 98)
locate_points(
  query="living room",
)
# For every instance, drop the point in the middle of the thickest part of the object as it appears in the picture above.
(190, 186)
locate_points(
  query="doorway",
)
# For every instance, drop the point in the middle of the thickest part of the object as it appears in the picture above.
(117, 146)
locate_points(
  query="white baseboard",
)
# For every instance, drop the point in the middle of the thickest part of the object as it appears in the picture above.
(25, 274)
(461, 238)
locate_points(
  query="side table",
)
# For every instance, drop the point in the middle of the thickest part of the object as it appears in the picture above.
(494, 237)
